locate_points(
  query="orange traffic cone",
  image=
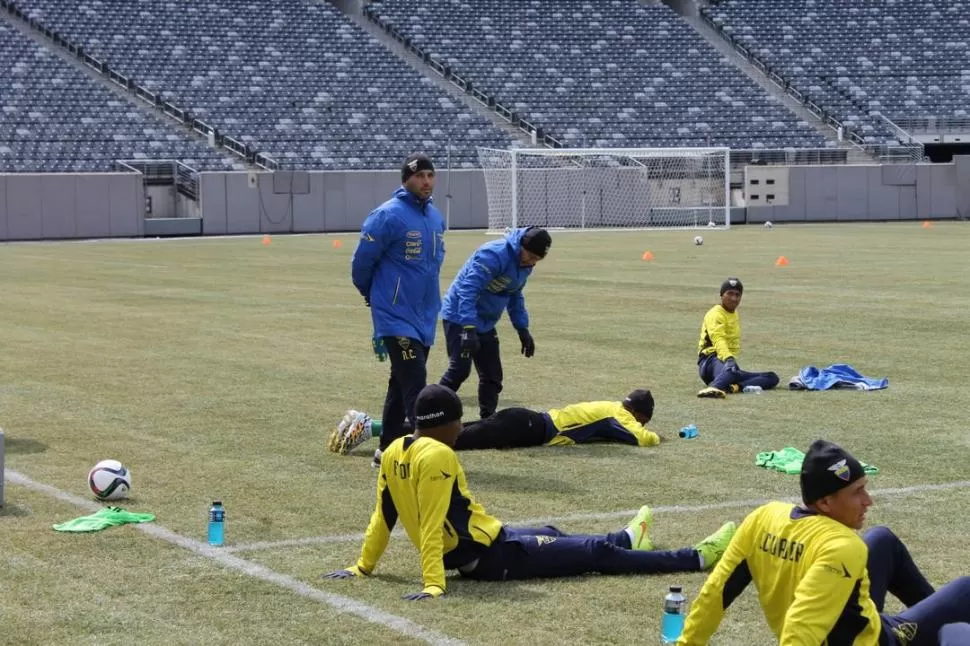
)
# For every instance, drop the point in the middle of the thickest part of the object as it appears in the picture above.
(781, 262)
(336, 244)
(927, 224)
(648, 255)
(266, 240)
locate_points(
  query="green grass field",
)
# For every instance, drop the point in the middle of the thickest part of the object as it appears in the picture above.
(216, 369)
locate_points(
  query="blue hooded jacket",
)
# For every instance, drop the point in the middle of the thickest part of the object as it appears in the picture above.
(489, 282)
(397, 264)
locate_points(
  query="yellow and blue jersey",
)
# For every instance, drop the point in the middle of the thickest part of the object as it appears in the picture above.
(602, 421)
(422, 484)
(720, 333)
(810, 573)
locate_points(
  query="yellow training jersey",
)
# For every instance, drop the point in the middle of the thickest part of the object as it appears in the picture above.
(422, 484)
(720, 333)
(810, 572)
(598, 422)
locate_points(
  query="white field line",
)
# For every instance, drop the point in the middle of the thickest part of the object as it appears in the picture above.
(607, 515)
(340, 603)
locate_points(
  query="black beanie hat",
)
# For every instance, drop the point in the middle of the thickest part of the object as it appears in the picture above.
(732, 283)
(436, 406)
(827, 469)
(640, 401)
(413, 164)
(537, 240)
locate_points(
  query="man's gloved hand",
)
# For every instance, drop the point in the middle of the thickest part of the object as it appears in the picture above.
(430, 592)
(528, 343)
(731, 365)
(469, 340)
(367, 301)
(349, 573)
(379, 348)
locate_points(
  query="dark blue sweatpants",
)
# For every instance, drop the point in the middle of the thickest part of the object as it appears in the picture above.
(546, 552)
(488, 364)
(892, 570)
(714, 373)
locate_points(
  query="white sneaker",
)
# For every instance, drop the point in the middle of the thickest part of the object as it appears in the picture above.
(336, 438)
(355, 433)
(752, 389)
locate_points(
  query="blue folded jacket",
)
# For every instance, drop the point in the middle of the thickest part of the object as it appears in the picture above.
(838, 375)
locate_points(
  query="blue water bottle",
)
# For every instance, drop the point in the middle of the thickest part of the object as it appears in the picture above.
(688, 432)
(217, 523)
(675, 612)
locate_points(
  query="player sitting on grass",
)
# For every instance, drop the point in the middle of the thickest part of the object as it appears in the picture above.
(818, 581)
(719, 346)
(600, 421)
(422, 484)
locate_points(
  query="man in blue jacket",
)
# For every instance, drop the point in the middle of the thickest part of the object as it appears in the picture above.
(489, 282)
(395, 268)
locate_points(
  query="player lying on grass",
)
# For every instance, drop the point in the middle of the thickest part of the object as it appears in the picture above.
(818, 581)
(719, 346)
(422, 484)
(600, 421)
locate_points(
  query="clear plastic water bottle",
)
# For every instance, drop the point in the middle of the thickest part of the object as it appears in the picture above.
(217, 523)
(688, 432)
(675, 612)
(753, 389)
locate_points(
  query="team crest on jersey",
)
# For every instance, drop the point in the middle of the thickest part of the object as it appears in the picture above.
(545, 540)
(841, 470)
(404, 342)
(905, 633)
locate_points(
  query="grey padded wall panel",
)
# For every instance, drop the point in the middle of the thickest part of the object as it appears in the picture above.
(24, 207)
(883, 199)
(942, 185)
(852, 193)
(275, 209)
(212, 202)
(242, 202)
(127, 205)
(93, 214)
(3, 209)
(962, 164)
(58, 204)
(899, 174)
(821, 192)
(334, 203)
(907, 203)
(308, 210)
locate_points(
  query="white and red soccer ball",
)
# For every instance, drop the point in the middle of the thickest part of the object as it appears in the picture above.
(109, 480)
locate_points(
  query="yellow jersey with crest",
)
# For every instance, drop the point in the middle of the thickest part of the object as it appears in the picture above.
(599, 422)
(421, 483)
(720, 334)
(810, 573)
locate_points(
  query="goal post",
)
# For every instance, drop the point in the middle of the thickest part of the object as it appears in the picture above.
(607, 188)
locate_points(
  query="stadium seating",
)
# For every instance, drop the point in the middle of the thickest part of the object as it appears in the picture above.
(293, 79)
(598, 73)
(900, 58)
(53, 118)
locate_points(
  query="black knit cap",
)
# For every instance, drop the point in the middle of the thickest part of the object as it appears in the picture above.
(537, 240)
(413, 164)
(436, 406)
(732, 283)
(640, 401)
(827, 469)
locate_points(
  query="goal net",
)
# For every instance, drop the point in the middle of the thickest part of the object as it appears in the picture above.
(605, 188)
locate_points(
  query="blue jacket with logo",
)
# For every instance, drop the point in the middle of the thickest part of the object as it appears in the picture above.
(397, 264)
(488, 283)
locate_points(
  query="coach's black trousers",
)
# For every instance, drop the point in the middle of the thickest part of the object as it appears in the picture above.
(488, 364)
(409, 374)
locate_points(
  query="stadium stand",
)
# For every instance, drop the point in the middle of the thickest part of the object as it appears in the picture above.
(53, 118)
(903, 59)
(605, 73)
(293, 79)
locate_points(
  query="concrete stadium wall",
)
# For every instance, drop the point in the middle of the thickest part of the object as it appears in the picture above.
(52, 206)
(300, 202)
(962, 170)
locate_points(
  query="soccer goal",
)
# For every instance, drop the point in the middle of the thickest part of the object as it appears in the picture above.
(607, 188)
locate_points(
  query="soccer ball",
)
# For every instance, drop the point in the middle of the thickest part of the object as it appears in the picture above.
(698, 240)
(768, 224)
(109, 480)
(711, 224)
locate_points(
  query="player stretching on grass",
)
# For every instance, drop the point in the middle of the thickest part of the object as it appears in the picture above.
(600, 421)
(818, 582)
(395, 268)
(422, 484)
(719, 346)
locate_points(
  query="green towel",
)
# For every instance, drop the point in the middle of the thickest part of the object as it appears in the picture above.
(789, 460)
(104, 518)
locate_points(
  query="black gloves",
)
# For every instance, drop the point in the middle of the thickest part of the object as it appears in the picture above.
(528, 343)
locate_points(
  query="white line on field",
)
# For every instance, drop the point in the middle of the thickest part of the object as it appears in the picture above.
(606, 515)
(341, 604)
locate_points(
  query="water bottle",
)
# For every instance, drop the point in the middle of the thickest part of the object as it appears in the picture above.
(757, 390)
(675, 612)
(217, 523)
(688, 432)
